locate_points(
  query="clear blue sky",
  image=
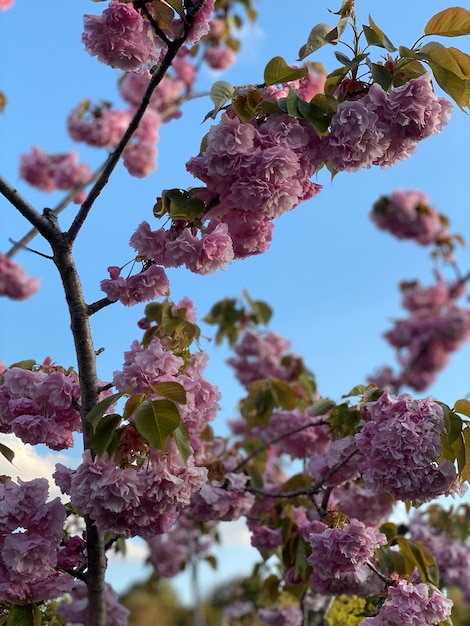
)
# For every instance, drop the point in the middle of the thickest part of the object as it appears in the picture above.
(330, 275)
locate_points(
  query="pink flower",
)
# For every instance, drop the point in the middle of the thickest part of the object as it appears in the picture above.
(411, 605)
(219, 58)
(13, 280)
(133, 500)
(399, 445)
(147, 285)
(76, 610)
(6, 4)
(408, 215)
(340, 551)
(120, 37)
(281, 616)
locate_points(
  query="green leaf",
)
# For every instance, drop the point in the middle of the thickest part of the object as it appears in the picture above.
(7, 452)
(171, 391)
(457, 88)
(334, 34)
(316, 40)
(376, 37)
(178, 6)
(211, 559)
(101, 407)
(21, 615)
(221, 92)
(277, 71)
(163, 14)
(416, 555)
(283, 394)
(27, 364)
(156, 420)
(102, 435)
(334, 79)
(463, 407)
(132, 403)
(451, 22)
(465, 472)
(182, 440)
(321, 407)
(447, 58)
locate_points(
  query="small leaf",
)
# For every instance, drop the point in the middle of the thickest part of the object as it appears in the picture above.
(171, 391)
(27, 364)
(316, 40)
(376, 37)
(163, 14)
(156, 420)
(277, 71)
(183, 442)
(211, 559)
(103, 433)
(20, 615)
(283, 394)
(321, 407)
(465, 472)
(451, 22)
(132, 404)
(7, 453)
(101, 407)
(221, 92)
(334, 34)
(463, 407)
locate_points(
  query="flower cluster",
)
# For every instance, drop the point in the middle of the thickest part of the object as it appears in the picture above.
(157, 363)
(170, 552)
(225, 501)
(337, 552)
(256, 172)
(411, 605)
(398, 447)
(452, 555)
(137, 500)
(124, 38)
(149, 284)
(382, 128)
(31, 530)
(436, 327)
(281, 616)
(408, 215)
(262, 356)
(76, 611)
(40, 406)
(295, 433)
(121, 37)
(13, 281)
(50, 172)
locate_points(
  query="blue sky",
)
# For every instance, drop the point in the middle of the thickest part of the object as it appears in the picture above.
(330, 275)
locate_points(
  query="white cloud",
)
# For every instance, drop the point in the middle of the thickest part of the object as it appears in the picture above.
(28, 463)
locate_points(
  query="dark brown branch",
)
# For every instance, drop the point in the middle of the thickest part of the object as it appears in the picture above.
(40, 222)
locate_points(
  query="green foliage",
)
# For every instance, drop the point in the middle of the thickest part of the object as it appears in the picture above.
(376, 37)
(180, 205)
(156, 421)
(232, 317)
(277, 71)
(7, 452)
(451, 22)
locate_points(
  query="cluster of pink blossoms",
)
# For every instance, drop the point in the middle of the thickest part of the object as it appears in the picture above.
(149, 284)
(408, 604)
(281, 616)
(339, 552)
(31, 530)
(40, 406)
(50, 172)
(452, 555)
(124, 38)
(436, 327)
(137, 500)
(75, 612)
(408, 215)
(398, 447)
(224, 500)
(5, 4)
(383, 127)
(171, 552)
(13, 281)
(262, 356)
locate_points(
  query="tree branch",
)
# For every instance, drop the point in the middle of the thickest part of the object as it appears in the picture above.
(113, 158)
